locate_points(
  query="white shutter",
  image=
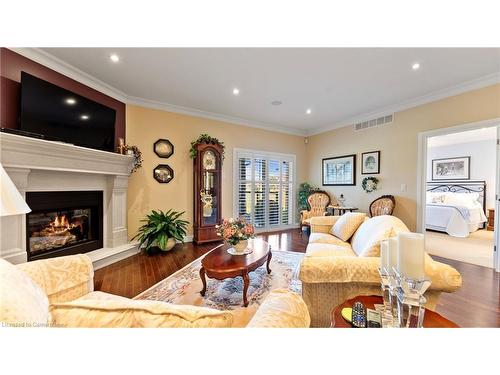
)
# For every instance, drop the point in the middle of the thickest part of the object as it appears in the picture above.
(264, 189)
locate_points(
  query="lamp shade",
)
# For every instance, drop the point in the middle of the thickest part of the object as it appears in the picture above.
(11, 202)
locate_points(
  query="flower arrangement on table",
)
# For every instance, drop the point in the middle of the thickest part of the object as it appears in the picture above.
(236, 232)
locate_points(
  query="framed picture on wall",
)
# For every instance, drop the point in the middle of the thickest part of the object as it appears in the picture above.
(370, 162)
(339, 171)
(451, 168)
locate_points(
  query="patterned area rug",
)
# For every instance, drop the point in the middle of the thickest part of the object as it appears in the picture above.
(183, 287)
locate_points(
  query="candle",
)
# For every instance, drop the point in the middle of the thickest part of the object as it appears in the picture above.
(393, 253)
(411, 255)
(384, 255)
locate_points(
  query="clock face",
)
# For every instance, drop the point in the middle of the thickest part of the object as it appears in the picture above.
(209, 160)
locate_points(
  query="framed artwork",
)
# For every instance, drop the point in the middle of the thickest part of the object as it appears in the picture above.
(451, 168)
(163, 148)
(370, 162)
(163, 173)
(339, 171)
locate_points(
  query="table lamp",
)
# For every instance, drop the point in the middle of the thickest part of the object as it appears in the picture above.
(11, 202)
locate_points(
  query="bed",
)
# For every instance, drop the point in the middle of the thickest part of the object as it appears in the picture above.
(455, 207)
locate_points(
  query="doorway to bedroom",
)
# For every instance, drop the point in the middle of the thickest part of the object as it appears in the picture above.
(460, 190)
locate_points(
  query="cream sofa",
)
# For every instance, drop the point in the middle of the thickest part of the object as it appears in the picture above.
(59, 292)
(333, 271)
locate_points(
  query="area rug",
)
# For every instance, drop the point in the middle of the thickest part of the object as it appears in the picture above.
(183, 287)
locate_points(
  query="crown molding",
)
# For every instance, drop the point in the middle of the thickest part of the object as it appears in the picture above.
(213, 116)
(474, 84)
(60, 66)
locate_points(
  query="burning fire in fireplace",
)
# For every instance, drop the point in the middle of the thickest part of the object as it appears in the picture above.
(58, 232)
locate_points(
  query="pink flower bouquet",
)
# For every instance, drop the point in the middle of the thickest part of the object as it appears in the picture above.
(235, 230)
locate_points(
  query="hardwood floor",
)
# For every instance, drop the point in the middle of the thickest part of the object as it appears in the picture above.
(476, 304)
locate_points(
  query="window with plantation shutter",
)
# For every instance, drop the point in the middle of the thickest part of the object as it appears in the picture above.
(264, 189)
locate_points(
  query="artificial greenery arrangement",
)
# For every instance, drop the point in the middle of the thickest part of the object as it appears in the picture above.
(305, 189)
(205, 138)
(369, 184)
(134, 150)
(161, 229)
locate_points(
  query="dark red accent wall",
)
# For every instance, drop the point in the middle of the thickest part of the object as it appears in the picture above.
(11, 66)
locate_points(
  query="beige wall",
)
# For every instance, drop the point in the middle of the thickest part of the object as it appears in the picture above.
(398, 145)
(145, 126)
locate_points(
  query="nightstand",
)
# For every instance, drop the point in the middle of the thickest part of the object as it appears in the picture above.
(491, 219)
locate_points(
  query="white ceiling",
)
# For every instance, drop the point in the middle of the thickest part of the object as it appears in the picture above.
(340, 85)
(470, 136)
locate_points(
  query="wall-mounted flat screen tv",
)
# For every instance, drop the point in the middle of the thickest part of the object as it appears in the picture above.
(62, 115)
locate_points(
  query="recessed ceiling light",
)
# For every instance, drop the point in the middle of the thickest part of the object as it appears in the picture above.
(114, 57)
(70, 101)
(308, 111)
(415, 66)
(276, 102)
(236, 91)
(84, 117)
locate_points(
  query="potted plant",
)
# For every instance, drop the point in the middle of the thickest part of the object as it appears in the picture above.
(305, 190)
(236, 232)
(162, 230)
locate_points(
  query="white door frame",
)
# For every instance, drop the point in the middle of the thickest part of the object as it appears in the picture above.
(497, 207)
(422, 173)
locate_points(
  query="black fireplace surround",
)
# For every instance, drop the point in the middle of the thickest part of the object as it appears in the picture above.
(63, 223)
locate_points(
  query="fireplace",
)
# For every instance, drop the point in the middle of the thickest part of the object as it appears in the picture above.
(63, 223)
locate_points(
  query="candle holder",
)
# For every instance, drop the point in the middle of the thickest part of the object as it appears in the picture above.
(384, 276)
(393, 298)
(386, 311)
(411, 301)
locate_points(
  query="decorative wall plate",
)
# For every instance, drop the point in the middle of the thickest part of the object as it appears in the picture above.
(163, 173)
(163, 148)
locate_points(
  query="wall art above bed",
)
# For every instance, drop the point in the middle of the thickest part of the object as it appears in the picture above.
(451, 168)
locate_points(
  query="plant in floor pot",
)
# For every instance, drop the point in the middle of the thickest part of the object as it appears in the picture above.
(236, 232)
(305, 190)
(162, 230)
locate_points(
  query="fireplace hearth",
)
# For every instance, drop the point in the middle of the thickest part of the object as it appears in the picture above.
(63, 223)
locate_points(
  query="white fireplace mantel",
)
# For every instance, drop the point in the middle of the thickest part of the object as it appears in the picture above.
(40, 165)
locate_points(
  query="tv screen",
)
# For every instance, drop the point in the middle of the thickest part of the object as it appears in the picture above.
(62, 115)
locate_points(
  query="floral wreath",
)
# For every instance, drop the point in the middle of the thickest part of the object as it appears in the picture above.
(137, 157)
(369, 184)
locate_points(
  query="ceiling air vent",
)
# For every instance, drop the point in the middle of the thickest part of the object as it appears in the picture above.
(384, 120)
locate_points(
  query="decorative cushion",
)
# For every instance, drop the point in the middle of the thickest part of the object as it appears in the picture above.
(22, 302)
(366, 240)
(347, 224)
(111, 313)
(326, 238)
(281, 309)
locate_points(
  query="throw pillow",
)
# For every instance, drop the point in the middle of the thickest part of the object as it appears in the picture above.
(366, 240)
(22, 302)
(347, 224)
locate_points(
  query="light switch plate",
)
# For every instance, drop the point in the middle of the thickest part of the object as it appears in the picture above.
(403, 188)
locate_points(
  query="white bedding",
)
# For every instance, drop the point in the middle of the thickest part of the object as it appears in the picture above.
(456, 214)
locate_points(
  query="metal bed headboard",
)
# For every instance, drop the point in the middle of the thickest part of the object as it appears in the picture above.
(460, 187)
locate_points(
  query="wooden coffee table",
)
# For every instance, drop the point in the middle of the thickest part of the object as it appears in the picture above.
(431, 318)
(219, 264)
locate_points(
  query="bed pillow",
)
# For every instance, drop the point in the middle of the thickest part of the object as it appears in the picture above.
(347, 225)
(462, 199)
(435, 197)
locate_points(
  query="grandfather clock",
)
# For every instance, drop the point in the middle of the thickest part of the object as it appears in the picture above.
(207, 191)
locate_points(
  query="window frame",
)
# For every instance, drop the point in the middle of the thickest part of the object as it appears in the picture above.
(242, 152)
